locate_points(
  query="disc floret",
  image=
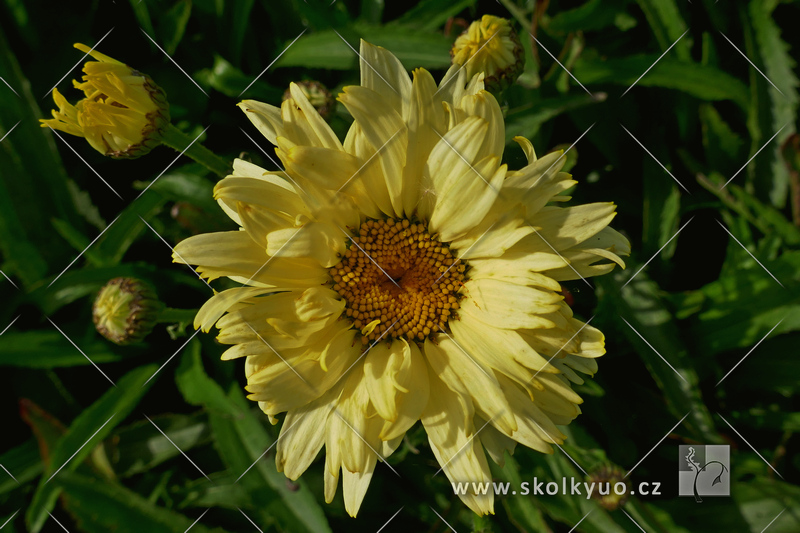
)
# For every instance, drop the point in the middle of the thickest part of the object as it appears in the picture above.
(398, 280)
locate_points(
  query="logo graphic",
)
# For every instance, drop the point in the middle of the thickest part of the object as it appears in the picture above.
(704, 471)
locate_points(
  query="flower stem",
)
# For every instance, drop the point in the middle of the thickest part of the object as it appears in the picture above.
(170, 314)
(176, 139)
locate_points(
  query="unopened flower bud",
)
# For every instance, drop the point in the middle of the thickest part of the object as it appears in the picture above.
(318, 95)
(126, 310)
(124, 113)
(611, 489)
(490, 45)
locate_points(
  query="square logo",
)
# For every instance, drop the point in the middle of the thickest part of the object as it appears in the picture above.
(704, 470)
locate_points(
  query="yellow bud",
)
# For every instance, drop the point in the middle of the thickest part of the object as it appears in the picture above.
(490, 45)
(123, 113)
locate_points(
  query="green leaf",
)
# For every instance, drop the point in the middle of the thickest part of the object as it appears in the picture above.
(372, 11)
(766, 218)
(703, 82)
(240, 13)
(49, 349)
(241, 440)
(123, 511)
(661, 200)
(774, 108)
(184, 185)
(139, 447)
(526, 120)
(640, 304)
(33, 181)
(24, 463)
(593, 15)
(84, 434)
(521, 511)
(127, 228)
(325, 49)
(320, 14)
(199, 389)
(231, 81)
(429, 15)
(77, 240)
(222, 493)
(142, 15)
(723, 147)
(741, 307)
(173, 24)
(668, 26)
(760, 500)
(773, 368)
(75, 284)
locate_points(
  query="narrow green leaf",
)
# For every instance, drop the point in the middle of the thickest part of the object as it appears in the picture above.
(431, 14)
(325, 49)
(241, 440)
(321, 14)
(372, 11)
(231, 81)
(240, 23)
(766, 218)
(84, 434)
(522, 511)
(173, 24)
(77, 240)
(703, 82)
(640, 304)
(123, 511)
(32, 180)
(762, 499)
(24, 463)
(75, 284)
(142, 15)
(592, 15)
(184, 185)
(741, 307)
(775, 101)
(723, 147)
(199, 389)
(526, 120)
(775, 368)
(668, 26)
(49, 349)
(127, 228)
(139, 447)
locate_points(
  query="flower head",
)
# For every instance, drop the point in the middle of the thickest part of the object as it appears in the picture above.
(612, 487)
(403, 275)
(123, 114)
(318, 95)
(125, 310)
(490, 45)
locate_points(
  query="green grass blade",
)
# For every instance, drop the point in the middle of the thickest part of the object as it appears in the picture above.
(84, 434)
(704, 82)
(640, 304)
(242, 440)
(123, 511)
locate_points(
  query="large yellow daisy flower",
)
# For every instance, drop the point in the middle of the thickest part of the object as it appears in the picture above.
(404, 275)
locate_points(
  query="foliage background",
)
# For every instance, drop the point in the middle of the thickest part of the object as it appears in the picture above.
(707, 297)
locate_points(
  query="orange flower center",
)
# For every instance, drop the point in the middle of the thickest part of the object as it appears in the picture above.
(398, 274)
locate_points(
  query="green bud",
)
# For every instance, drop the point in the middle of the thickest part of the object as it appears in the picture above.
(126, 310)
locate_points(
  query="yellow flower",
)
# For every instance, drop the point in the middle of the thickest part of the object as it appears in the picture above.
(490, 45)
(124, 113)
(403, 275)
